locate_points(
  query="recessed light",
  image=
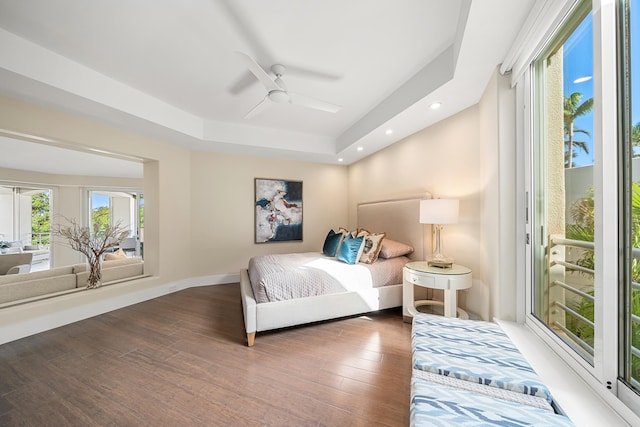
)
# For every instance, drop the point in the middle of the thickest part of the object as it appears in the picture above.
(435, 105)
(583, 79)
(360, 148)
(389, 131)
(341, 159)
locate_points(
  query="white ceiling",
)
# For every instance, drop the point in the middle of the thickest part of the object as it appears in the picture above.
(39, 157)
(169, 70)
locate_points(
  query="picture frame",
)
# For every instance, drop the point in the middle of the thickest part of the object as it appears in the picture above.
(278, 210)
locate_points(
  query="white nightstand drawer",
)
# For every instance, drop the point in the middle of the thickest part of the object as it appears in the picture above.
(421, 280)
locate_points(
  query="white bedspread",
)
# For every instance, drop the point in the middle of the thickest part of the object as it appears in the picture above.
(287, 276)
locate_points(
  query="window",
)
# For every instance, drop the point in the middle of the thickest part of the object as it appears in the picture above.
(564, 157)
(584, 163)
(630, 183)
(109, 207)
(25, 214)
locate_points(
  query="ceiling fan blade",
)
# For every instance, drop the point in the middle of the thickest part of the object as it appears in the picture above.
(259, 72)
(257, 108)
(306, 101)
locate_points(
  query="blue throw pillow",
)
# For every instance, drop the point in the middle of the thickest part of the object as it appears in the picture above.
(332, 243)
(350, 249)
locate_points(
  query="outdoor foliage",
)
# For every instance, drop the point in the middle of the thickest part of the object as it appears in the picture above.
(40, 218)
(582, 213)
(101, 218)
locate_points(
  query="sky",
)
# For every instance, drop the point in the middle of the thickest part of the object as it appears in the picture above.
(578, 62)
(99, 200)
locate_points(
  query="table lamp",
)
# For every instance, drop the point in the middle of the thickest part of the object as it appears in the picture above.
(439, 212)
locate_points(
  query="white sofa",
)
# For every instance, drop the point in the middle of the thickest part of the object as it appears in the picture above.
(20, 288)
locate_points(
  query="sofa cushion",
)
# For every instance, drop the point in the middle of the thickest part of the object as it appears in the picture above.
(81, 268)
(53, 272)
(35, 284)
(115, 255)
(111, 270)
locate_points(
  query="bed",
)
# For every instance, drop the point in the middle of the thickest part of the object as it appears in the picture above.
(398, 218)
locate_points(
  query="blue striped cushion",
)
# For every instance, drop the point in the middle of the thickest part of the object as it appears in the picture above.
(439, 405)
(473, 351)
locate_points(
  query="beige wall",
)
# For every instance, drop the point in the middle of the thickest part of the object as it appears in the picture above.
(222, 200)
(445, 160)
(469, 156)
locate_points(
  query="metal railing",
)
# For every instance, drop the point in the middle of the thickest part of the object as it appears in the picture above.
(41, 239)
(555, 241)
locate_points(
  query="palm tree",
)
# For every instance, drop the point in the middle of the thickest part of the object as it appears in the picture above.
(635, 138)
(572, 110)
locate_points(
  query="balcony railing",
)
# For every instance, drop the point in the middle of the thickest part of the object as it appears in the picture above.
(556, 257)
(41, 239)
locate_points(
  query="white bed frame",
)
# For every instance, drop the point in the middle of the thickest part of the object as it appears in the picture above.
(399, 218)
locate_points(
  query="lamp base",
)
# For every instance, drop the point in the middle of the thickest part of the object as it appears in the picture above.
(441, 262)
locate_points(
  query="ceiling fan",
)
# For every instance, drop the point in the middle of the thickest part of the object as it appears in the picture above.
(277, 91)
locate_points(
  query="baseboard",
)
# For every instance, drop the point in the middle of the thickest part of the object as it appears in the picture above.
(29, 319)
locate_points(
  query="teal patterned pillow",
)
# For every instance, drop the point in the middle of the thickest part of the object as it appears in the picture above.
(350, 249)
(332, 243)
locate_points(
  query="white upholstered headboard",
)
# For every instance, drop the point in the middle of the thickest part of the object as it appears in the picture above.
(399, 218)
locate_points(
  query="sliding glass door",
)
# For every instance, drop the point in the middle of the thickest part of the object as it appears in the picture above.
(584, 231)
(25, 221)
(630, 183)
(563, 231)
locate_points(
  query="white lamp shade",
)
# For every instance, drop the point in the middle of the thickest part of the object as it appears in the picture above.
(439, 211)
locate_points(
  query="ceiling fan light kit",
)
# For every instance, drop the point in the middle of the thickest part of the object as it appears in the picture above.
(279, 96)
(277, 90)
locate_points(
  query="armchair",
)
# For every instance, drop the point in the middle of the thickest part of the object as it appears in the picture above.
(15, 263)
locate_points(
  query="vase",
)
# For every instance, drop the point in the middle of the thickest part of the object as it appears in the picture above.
(95, 273)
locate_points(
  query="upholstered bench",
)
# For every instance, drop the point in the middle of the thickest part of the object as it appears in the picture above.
(476, 357)
(441, 405)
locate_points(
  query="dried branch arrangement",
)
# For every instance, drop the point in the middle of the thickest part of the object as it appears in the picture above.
(92, 245)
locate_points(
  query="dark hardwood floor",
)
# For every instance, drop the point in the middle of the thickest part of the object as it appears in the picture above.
(182, 360)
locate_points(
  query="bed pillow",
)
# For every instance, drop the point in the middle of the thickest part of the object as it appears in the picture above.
(362, 232)
(351, 249)
(392, 249)
(332, 243)
(352, 233)
(371, 248)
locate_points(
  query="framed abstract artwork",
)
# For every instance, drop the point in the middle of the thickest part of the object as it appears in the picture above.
(278, 210)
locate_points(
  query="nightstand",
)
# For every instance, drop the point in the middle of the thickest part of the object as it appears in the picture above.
(450, 280)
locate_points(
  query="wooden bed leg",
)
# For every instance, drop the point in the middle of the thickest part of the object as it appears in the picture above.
(251, 337)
